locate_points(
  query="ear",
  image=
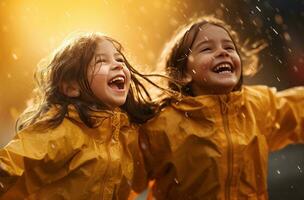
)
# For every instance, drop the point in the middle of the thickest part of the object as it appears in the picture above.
(187, 78)
(70, 89)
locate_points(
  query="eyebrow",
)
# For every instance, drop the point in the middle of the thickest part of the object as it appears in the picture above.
(103, 54)
(209, 41)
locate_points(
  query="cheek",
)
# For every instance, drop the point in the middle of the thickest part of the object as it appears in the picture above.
(98, 83)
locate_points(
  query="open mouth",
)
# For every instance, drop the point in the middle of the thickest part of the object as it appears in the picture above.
(223, 68)
(117, 83)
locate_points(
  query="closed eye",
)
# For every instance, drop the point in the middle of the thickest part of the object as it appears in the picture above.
(120, 60)
(230, 48)
(100, 61)
(205, 49)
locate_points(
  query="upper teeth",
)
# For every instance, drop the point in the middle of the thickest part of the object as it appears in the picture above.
(117, 79)
(225, 65)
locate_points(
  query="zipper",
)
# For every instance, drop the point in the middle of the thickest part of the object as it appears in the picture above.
(105, 177)
(224, 112)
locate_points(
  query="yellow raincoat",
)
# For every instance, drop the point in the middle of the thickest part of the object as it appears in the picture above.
(216, 146)
(72, 161)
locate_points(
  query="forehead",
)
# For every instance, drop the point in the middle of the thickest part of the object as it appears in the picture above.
(105, 46)
(212, 32)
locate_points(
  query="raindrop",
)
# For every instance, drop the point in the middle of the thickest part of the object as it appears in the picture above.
(278, 19)
(113, 140)
(278, 79)
(299, 169)
(258, 8)
(278, 172)
(243, 115)
(274, 30)
(194, 72)
(277, 125)
(53, 146)
(176, 181)
(15, 57)
(9, 75)
(295, 68)
(143, 145)
(287, 36)
(1, 185)
(186, 114)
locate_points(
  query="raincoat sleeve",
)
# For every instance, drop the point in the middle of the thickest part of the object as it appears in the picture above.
(155, 144)
(139, 179)
(285, 117)
(34, 158)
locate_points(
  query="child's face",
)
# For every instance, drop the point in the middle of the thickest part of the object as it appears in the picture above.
(108, 75)
(214, 64)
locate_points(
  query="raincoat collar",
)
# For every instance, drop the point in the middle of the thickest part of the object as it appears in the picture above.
(100, 115)
(116, 115)
(189, 103)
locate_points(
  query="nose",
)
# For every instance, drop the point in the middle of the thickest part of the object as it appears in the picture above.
(117, 65)
(222, 52)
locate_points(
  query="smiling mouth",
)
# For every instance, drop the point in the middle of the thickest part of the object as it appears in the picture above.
(117, 83)
(223, 68)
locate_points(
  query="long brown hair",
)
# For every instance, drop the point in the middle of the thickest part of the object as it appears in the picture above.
(70, 63)
(175, 54)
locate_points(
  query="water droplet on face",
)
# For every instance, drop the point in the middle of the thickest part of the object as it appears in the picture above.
(190, 58)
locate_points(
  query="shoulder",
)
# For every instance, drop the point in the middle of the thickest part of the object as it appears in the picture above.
(258, 92)
(36, 142)
(167, 116)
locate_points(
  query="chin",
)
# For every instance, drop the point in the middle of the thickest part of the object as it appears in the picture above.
(119, 102)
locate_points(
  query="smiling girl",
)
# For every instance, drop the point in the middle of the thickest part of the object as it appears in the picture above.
(214, 141)
(78, 140)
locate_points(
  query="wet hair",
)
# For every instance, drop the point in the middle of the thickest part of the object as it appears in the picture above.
(70, 63)
(175, 54)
